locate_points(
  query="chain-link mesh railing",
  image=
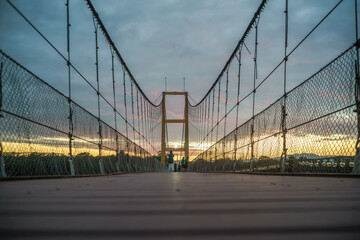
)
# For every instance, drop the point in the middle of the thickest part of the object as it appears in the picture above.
(321, 129)
(44, 132)
(34, 132)
(311, 128)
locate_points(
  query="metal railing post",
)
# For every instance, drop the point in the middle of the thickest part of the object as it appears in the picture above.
(254, 94)
(225, 111)
(163, 129)
(356, 168)
(101, 165)
(283, 110)
(117, 161)
(237, 103)
(3, 169)
(71, 125)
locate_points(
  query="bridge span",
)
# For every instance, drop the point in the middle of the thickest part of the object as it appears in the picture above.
(270, 151)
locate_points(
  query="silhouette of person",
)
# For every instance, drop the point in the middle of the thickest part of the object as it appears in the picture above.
(171, 161)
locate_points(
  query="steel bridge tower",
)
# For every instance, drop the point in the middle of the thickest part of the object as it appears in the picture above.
(164, 121)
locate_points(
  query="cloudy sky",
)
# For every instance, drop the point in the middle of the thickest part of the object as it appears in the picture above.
(175, 39)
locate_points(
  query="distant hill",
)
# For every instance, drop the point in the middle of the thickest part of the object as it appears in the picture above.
(305, 155)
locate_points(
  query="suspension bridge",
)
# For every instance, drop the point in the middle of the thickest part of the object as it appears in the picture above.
(98, 168)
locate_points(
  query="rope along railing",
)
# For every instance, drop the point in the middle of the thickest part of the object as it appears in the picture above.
(312, 128)
(36, 123)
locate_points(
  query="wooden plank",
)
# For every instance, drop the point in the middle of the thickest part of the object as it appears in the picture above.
(181, 205)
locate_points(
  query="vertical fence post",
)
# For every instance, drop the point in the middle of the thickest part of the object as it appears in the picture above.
(283, 112)
(212, 122)
(200, 125)
(148, 121)
(3, 169)
(151, 130)
(144, 124)
(198, 118)
(186, 127)
(203, 128)
(143, 119)
(237, 102)
(163, 129)
(146, 127)
(207, 129)
(126, 122)
(140, 138)
(133, 116)
(254, 93)
(226, 103)
(356, 168)
(217, 121)
(71, 125)
(115, 112)
(96, 26)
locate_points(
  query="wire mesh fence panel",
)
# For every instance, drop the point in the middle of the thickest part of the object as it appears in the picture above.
(85, 125)
(24, 95)
(312, 128)
(321, 131)
(31, 149)
(322, 141)
(243, 141)
(34, 132)
(108, 137)
(267, 154)
(329, 90)
(268, 122)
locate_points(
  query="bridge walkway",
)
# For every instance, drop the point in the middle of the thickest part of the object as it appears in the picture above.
(181, 205)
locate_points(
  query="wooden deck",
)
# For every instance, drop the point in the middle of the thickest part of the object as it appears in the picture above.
(181, 205)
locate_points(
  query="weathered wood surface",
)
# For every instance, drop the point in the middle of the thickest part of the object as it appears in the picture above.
(181, 205)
